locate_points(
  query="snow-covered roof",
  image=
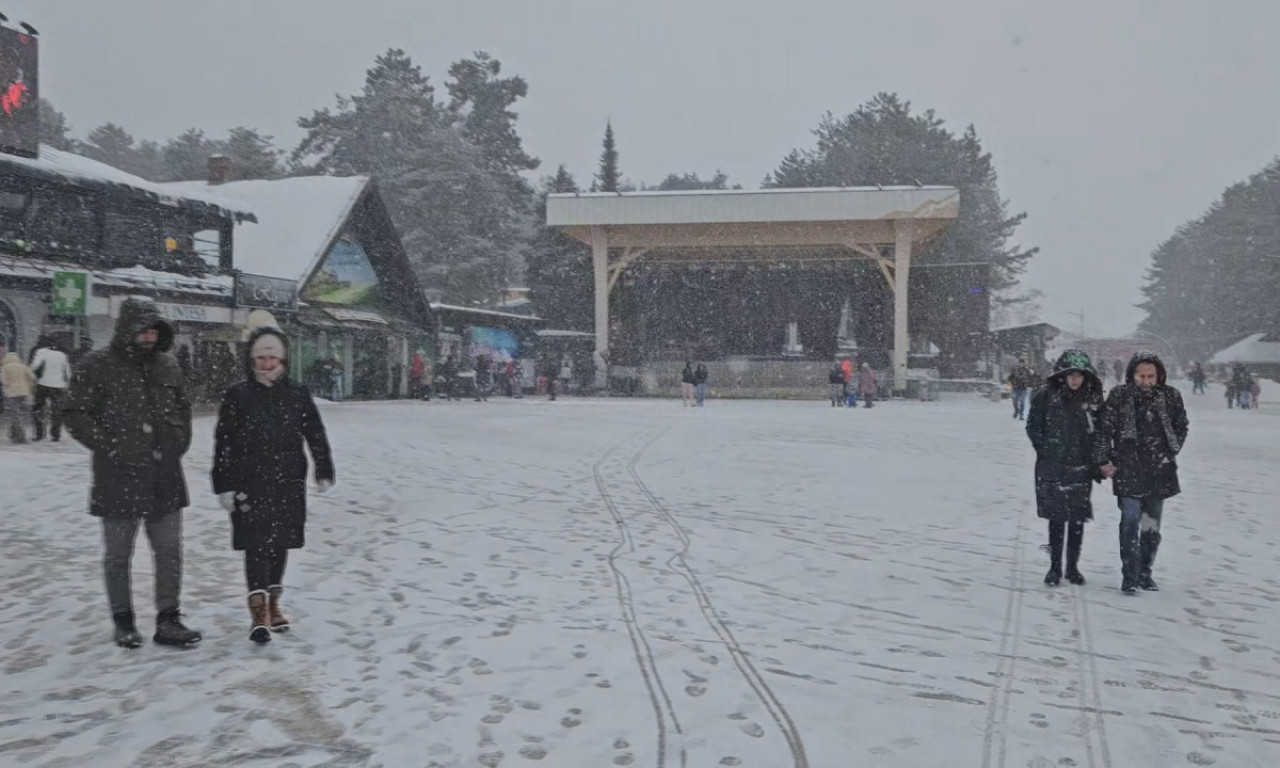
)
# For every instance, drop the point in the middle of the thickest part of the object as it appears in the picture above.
(437, 306)
(752, 206)
(75, 168)
(298, 219)
(1256, 348)
(129, 277)
(552, 333)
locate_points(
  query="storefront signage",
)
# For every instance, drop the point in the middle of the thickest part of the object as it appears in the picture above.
(266, 292)
(70, 293)
(182, 313)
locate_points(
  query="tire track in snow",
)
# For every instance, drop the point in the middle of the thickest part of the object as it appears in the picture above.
(995, 739)
(663, 709)
(1087, 631)
(677, 562)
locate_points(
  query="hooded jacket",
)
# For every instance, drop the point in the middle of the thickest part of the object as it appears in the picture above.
(1062, 427)
(51, 367)
(1142, 434)
(17, 378)
(129, 406)
(258, 452)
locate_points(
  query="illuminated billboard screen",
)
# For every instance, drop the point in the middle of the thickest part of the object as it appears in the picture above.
(19, 94)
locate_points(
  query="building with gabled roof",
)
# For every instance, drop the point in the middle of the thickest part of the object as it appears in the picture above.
(356, 300)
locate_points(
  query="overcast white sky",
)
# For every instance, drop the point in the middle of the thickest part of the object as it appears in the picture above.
(1110, 122)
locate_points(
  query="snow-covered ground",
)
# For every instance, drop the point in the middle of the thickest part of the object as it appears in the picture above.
(595, 583)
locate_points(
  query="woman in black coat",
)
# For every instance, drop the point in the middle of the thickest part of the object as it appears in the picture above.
(1062, 425)
(260, 471)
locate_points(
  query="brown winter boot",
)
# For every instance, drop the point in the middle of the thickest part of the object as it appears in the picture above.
(276, 619)
(259, 628)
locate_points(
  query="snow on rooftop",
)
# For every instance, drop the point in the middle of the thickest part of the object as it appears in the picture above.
(1251, 349)
(77, 167)
(298, 219)
(781, 205)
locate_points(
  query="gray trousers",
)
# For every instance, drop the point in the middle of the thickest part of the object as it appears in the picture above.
(165, 535)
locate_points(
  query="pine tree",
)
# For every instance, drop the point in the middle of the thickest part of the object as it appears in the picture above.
(112, 144)
(253, 156)
(464, 220)
(608, 178)
(559, 271)
(54, 130)
(186, 156)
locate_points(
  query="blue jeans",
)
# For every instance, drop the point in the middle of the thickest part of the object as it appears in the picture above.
(1139, 534)
(337, 388)
(1021, 396)
(702, 393)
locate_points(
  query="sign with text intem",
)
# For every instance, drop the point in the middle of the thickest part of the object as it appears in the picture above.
(266, 292)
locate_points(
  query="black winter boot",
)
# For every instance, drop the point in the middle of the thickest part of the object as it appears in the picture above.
(126, 634)
(1054, 577)
(1150, 543)
(171, 631)
(1075, 539)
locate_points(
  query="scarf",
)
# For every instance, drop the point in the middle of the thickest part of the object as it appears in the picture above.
(1128, 410)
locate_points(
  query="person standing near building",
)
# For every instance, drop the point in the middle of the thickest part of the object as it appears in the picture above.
(260, 472)
(867, 385)
(836, 385)
(128, 405)
(700, 384)
(18, 386)
(1144, 427)
(1061, 425)
(1197, 379)
(53, 375)
(1021, 380)
(417, 372)
(686, 383)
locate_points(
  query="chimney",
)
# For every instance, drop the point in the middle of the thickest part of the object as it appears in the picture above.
(219, 169)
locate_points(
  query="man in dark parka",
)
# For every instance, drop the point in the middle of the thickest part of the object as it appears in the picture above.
(1144, 427)
(128, 405)
(1061, 425)
(260, 471)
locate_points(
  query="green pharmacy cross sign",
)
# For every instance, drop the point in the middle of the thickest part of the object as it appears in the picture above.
(70, 293)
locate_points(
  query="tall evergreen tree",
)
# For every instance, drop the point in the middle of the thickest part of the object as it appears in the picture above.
(884, 143)
(186, 156)
(691, 181)
(481, 103)
(54, 130)
(559, 271)
(253, 155)
(608, 178)
(457, 211)
(113, 145)
(1216, 278)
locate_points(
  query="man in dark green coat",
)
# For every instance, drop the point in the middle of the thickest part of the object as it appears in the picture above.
(128, 405)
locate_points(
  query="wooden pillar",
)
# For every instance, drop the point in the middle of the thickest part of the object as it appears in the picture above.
(600, 265)
(902, 237)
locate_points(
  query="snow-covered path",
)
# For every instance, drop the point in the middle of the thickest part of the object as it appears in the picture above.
(594, 583)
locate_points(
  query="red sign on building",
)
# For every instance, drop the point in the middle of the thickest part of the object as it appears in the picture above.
(19, 93)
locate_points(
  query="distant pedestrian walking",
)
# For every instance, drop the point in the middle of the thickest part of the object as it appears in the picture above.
(835, 385)
(1021, 381)
(686, 384)
(1144, 427)
(52, 369)
(1061, 425)
(867, 385)
(17, 384)
(260, 472)
(700, 384)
